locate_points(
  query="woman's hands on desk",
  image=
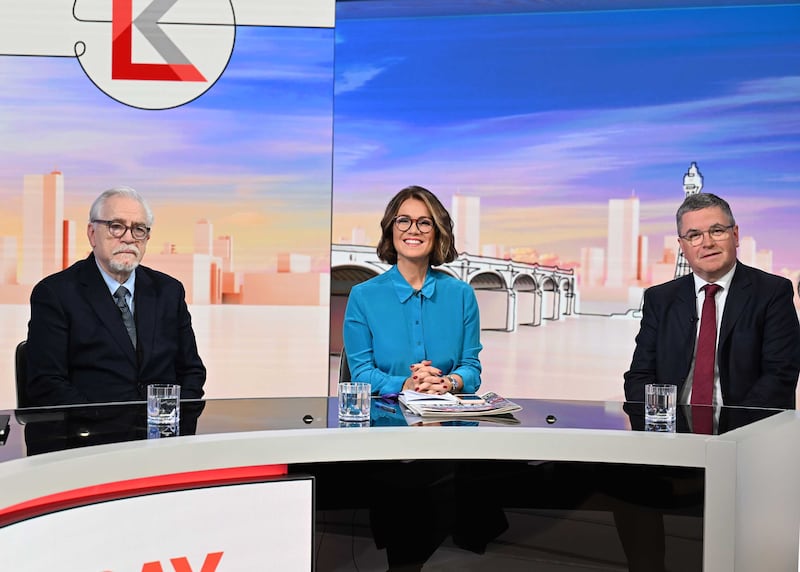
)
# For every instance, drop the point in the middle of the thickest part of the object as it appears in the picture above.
(428, 379)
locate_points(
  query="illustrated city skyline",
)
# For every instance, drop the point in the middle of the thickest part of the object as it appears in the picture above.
(626, 260)
(50, 242)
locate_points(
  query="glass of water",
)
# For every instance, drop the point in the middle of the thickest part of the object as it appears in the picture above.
(163, 403)
(659, 406)
(354, 401)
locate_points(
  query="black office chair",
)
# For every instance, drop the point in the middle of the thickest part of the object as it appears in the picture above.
(21, 369)
(344, 368)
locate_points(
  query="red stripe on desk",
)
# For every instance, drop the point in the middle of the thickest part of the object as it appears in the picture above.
(137, 487)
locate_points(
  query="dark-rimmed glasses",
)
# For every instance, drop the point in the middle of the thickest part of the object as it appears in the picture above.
(403, 223)
(716, 232)
(118, 230)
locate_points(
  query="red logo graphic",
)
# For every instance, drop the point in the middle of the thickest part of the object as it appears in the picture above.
(181, 564)
(177, 68)
(155, 54)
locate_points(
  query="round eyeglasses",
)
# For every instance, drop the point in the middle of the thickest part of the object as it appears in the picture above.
(118, 230)
(403, 223)
(717, 233)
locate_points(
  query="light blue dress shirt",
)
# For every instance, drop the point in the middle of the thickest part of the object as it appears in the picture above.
(388, 326)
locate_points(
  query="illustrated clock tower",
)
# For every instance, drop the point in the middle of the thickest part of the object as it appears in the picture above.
(692, 184)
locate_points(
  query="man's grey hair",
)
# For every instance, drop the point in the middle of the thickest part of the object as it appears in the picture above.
(700, 201)
(122, 191)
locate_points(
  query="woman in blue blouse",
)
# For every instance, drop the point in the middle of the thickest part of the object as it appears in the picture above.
(414, 327)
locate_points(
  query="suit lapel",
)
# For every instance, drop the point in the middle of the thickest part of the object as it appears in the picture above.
(738, 297)
(102, 304)
(145, 314)
(685, 313)
(684, 310)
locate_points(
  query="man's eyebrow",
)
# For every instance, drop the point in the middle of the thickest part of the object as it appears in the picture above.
(713, 225)
(133, 223)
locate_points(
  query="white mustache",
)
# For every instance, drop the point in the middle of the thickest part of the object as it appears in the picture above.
(125, 249)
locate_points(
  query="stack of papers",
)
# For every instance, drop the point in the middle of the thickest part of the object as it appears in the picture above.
(449, 405)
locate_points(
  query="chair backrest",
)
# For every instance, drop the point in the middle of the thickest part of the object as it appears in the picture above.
(21, 370)
(344, 368)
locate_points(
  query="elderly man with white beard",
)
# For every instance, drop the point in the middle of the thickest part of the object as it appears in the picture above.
(106, 327)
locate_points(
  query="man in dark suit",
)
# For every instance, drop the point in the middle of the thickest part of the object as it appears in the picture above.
(106, 327)
(755, 362)
(758, 346)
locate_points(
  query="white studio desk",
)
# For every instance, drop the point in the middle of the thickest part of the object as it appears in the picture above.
(752, 505)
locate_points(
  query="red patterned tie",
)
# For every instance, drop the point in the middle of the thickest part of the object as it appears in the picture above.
(703, 380)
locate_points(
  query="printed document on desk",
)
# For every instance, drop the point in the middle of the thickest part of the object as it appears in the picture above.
(449, 405)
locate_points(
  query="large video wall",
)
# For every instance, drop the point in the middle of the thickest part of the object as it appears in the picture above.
(559, 137)
(563, 139)
(221, 117)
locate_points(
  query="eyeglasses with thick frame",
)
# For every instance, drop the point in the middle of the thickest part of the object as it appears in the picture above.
(403, 223)
(118, 230)
(716, 232)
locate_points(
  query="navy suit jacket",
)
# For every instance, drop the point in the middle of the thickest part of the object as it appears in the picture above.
(758, 353)
(79, 351)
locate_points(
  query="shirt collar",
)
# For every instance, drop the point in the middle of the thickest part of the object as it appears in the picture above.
(724, 282)
(405, 291)
(112, 284)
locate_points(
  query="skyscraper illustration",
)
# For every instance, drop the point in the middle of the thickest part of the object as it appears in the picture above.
(692, 184)
(466, 213)
(592, 269)
(42, 226)
(203, 237)
(8, 260)
(223, 248)
(622, 259)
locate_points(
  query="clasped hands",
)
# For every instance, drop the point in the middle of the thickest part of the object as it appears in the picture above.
(425, 378)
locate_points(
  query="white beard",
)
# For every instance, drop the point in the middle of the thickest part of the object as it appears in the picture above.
(118, 266)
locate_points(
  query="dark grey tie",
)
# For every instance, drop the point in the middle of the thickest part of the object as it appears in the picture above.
(127, 317)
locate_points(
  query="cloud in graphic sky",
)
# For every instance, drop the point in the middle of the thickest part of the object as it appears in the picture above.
(259, 140)
(356, 77)
(563, 148)
(523, 163)
(538, 111)
(558, 155)
(55, 112)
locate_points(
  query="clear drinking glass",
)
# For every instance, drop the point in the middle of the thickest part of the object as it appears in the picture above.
(659, 406)
(163, 403)
(354, 401)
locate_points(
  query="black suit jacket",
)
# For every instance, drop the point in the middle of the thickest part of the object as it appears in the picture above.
(759, 343)
(79, 351)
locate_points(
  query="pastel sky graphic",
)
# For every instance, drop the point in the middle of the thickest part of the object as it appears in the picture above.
(547, 116)
(544, 116)
(252, 155)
